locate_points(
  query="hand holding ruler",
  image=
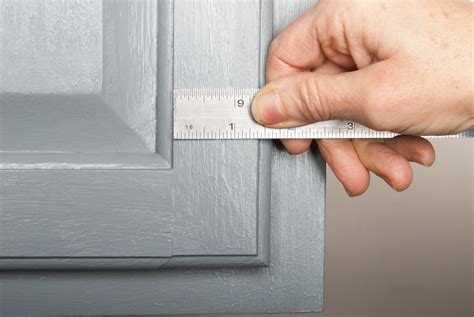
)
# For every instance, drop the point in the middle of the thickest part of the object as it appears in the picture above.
(218, 114)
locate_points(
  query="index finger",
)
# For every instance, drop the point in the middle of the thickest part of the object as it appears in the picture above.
(296, 49)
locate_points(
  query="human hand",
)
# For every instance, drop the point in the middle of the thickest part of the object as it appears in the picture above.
(402, 66)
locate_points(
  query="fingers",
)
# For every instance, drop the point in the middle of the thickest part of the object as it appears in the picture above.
(368, 96)
(385, 163)
(296, 49)
(343, 159)
(305, 98)
(300, 146)
(351, 160)
(414, 149)
(296, 146)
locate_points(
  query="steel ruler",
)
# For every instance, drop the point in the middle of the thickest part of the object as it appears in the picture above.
(225, 114)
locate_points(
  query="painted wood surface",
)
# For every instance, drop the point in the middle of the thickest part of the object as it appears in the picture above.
(130, 65)
(85, 68)
(293, 279)
(208, 40)
(211, 202)
(42, 56)
(62, 222)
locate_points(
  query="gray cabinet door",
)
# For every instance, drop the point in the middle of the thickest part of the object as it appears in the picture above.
(92, 182)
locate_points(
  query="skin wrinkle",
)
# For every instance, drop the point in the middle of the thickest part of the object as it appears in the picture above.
(355, 49)
(332, 45)
(342, 45)
(275, 51)
(316, 28)
(310, 96)
(275, 57)
(347, 47)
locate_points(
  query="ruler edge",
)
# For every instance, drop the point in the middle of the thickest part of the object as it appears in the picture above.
(251, 92)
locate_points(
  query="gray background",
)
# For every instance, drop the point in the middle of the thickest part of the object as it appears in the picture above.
(404, 254)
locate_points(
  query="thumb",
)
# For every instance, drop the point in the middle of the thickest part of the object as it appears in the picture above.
(310, 97)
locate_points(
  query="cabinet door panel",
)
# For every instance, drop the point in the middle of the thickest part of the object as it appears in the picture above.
(201, 226)
(86, 164)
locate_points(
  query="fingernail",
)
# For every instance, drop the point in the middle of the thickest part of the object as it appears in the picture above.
(266, 108)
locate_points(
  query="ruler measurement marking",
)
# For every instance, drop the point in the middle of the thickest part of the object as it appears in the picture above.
(218, 114)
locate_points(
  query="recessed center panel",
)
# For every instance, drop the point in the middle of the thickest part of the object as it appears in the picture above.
(78, 77)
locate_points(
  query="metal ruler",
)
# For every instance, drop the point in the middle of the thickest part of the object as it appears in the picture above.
(225, 114)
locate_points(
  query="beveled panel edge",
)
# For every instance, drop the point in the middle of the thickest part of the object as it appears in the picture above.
(129, 263)
(82, 161)
(165, 65)
(265, 146)
(83, 264)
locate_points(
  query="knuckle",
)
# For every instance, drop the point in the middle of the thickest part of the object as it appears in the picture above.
(274, 61)
(273, 47)
(274, 52)
(312, 104)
